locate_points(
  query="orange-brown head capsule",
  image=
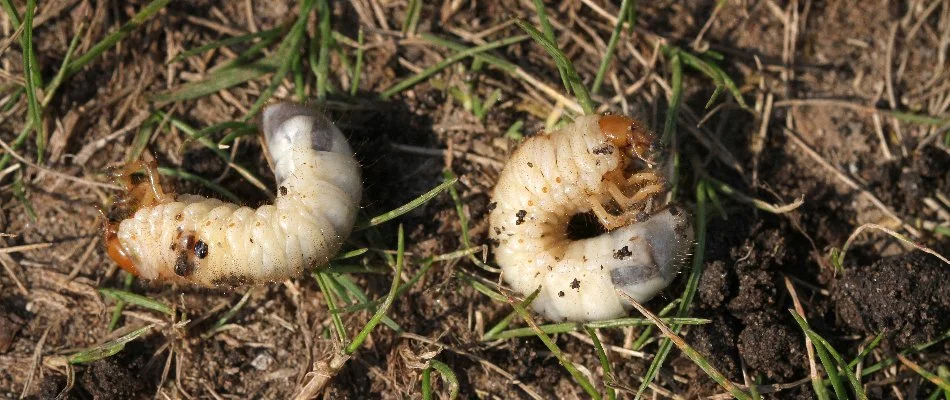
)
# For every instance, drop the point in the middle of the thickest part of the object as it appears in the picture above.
(115, 250)
(136, 194)
(626, 132)
(617, 128)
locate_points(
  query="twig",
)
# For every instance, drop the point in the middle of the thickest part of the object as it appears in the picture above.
(7, 261)
(68, 177)
(848, 181)
(921, 119)
(25, 247)
(37, 356)
(862, 228)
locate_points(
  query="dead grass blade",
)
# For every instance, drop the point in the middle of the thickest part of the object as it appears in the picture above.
(837, 257)
(930, 376)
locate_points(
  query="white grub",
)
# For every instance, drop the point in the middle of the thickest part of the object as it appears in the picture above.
(595, 164)
(207, 242)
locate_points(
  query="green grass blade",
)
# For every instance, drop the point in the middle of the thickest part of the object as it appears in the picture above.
(300, 87)
(614, 323)
(217, 81)
(717, 74)
(647, 333)
(351, 254)
(690, 352)
(555, 350)
(930, 376)
(190, 131)
(493, 98)
(11, 13)
(235, 126)
(413, 11)
(514, 131)
(569, 73)
(188, 176)
(626, 7)
(832, 372)
(548, 30)
(411, 205)
(826, 361)
(110, 40)
(358, 68)
(137, 299)
(323, 62)
(483, 288)
(270, 33)
(867, 350)
(120, 304)
(604, 363)
(363, 302)
(428, 72)
(61, 72)
(624, 322)
(390, 298)
(285, 56)
(692, 284)
(906, 352)
(463, 221)
(341, 52)
(238, 129)
(353, 269)
(447, 374)
(496, 62)
(252, 52)
(144, 135)
(848, 373)
(631, 18)
(669, 126)
(427, 383)
(918, 118)
(109, 348)
(227, 315)
(426, 265)
(31, 75)
(338, 326)
(493, 333)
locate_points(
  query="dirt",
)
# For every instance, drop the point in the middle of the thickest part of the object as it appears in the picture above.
(903, 296)
(827, 66)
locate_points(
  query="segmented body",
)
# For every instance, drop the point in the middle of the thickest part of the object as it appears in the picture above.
(595, 164)
(206, 241)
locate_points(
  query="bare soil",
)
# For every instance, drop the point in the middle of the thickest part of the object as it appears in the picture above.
(820, 78)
